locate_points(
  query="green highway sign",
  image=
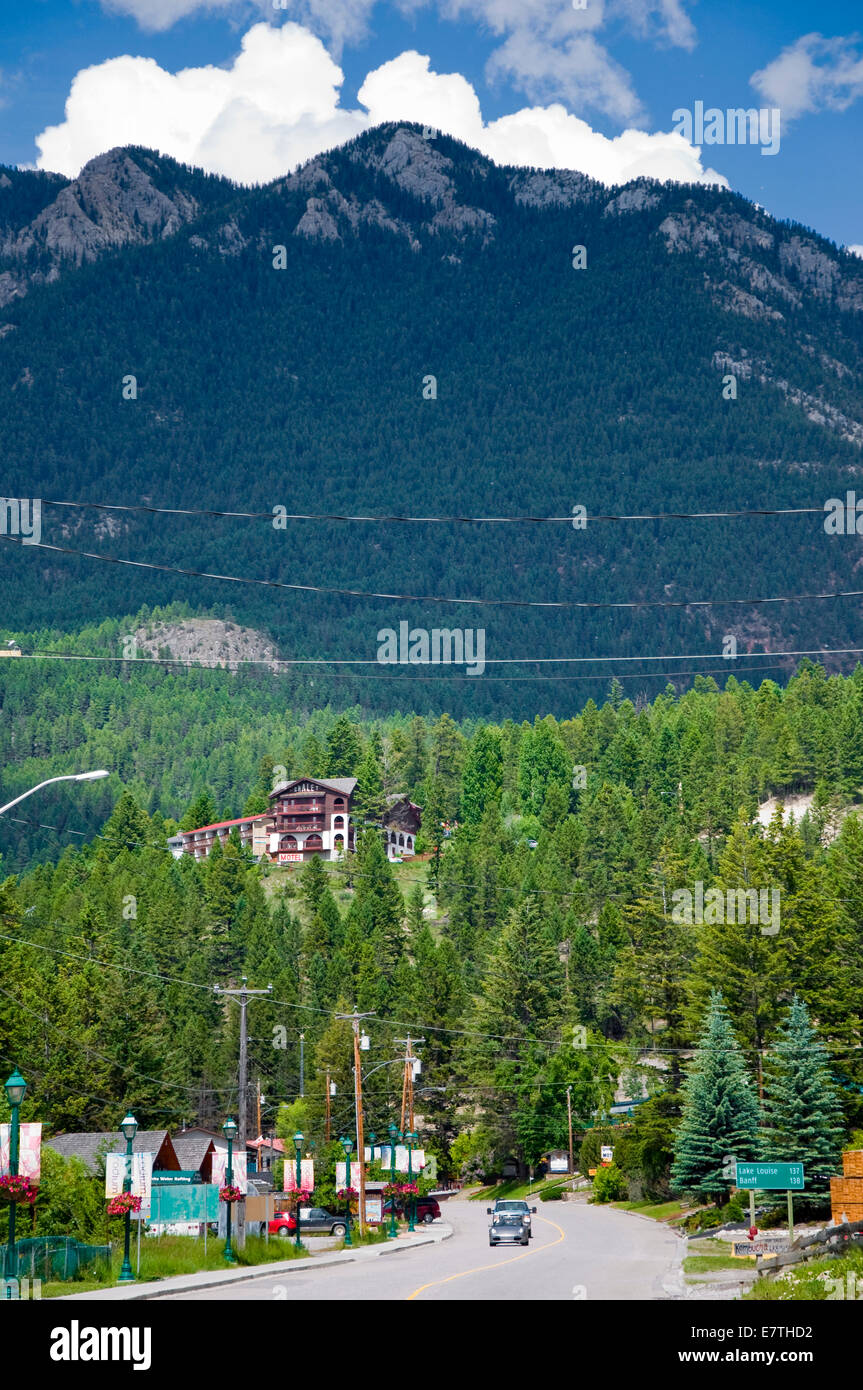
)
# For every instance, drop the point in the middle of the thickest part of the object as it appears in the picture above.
(763, 1176)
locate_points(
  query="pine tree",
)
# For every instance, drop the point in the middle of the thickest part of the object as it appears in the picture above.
(369, 792)
(344, 749)
(483, 774)
(720, 1110)
(803, 1120)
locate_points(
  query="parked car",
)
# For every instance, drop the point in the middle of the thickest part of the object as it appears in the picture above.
(507, 1226)
(511, 1205)
(428, 1209)
(312, 1219)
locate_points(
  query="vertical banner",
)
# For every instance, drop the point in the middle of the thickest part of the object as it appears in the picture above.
(141, 1174)
(29, 1151)
(307, 1175)
(238, 1164)
(342, 1175)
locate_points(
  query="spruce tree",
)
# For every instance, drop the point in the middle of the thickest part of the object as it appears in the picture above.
(802, 1114)
(720, 1110)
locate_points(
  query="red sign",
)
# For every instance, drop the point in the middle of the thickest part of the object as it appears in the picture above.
(290, 859)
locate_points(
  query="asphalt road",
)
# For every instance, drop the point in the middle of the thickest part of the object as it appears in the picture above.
(577, 1252)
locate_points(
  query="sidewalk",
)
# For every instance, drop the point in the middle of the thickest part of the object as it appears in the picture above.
(215, 1278)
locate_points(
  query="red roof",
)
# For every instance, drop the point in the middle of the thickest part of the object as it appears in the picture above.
(220, 824)
(259, 1143)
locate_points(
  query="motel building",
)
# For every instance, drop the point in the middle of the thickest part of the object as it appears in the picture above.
(308, 817)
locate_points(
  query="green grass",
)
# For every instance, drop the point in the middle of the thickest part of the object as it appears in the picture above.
(165, 1256)
(706, 1264)
(660, 1211)
(811, 1281)
(516, 1188)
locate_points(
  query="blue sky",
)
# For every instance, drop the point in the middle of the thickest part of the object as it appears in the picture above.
(529, 81)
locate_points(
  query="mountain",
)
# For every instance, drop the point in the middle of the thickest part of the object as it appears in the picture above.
(308, 387)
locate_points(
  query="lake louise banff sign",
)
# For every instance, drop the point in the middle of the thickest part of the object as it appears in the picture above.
(765, 1176)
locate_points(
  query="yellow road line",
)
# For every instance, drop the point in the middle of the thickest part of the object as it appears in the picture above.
(479, 1269)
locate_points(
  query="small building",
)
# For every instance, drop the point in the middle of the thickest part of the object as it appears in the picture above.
(199, 842)
(88, 1146)
(310, 817)
(10, 649)
(401, 823)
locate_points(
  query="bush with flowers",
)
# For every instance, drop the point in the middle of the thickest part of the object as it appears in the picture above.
(17, 1189)
(124, 1202)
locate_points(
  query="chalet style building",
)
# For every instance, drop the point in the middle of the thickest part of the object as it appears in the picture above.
(308, 817)
(401, 823)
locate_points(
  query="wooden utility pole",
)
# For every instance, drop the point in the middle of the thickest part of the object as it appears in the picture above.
(354, 1019)
(408, 1081)
(242, 995)
(327, 1104)
(259, 1131)
(569, 1117)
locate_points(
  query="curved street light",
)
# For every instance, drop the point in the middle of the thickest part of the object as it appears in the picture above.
(67, 777)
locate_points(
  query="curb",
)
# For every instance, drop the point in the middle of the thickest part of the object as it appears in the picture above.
(211, 1279)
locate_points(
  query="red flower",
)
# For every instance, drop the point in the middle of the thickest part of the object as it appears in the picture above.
(17, 1189)
(230, 1194)
(125, 1202)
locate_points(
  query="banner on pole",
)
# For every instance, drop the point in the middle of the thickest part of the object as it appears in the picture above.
(141, 1174)
(238, 1166)
(29, 1151)
(307, 1175)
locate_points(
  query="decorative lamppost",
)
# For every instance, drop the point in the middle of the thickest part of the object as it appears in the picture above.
(230, 1131)
(129, 1128)
(14, 1088)
(347, 1144)
(298, 1149)
(372, 1146)
(394, 1139)
(411, 1138)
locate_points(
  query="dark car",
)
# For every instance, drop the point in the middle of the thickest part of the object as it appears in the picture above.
(511, 1205)
(428, 1209)
(507, 1227)
(311, 1219)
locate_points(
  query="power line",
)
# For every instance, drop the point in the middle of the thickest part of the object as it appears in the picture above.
(444, 520)
(439, 598)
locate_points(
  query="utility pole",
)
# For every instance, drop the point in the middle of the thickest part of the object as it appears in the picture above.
(243, 995)
(258, 1130)
(327, 1103)
(569, 1117)
(354, 1019)
(408, 1081)
(302, 1064)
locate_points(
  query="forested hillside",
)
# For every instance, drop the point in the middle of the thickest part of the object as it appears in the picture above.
(306, 387)
(549, 909)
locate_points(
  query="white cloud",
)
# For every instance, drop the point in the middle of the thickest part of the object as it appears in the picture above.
(548, 50)
(856, 249)
(279, 104)
(813, 74)
(162, 14)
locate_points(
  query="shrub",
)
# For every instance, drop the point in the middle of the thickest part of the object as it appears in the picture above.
(609, 1185)
(554, 1194)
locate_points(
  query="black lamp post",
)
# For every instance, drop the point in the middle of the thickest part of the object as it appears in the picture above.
(394, 1139)
(14, 1088)
(298, 1149)
(347, 1144)
(230, 1131)
(129, 1128)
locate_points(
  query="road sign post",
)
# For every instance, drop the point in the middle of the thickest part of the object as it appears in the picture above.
(767, 1177)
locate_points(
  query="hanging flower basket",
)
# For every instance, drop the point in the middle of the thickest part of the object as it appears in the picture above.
(303, 1198)
(123, 1203)
(349, 1195)
(230, 1194)
(17, 1189)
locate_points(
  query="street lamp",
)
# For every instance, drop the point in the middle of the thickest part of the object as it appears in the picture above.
(394, 1139)
(298, 1149)
(14, 1088)
(230, 1131)
(347, 1144)
(129, 1128)
(411, 1138)
(67, 777)
(371, 1147)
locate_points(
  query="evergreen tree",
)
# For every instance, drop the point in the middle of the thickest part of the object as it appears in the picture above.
(719, 1111)
(803, 1120)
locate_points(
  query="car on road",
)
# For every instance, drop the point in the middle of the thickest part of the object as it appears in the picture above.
(428, 1209)
(511, 1205)
(312, 1220)
(507, 1226)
